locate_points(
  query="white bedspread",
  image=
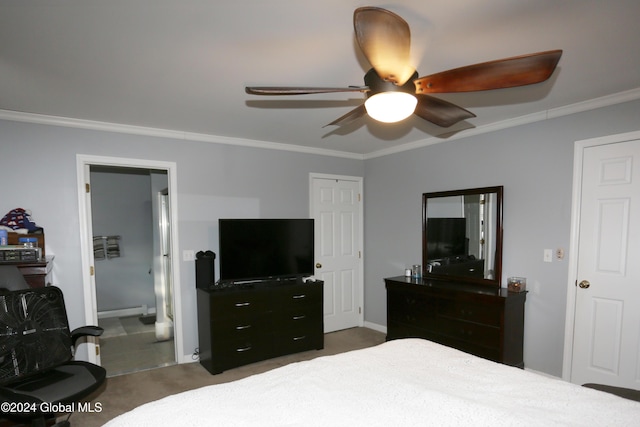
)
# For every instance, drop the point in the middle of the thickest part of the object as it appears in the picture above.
(407, 382)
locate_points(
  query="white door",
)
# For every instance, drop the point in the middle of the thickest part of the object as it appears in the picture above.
(606, 340)
(165, 253)
(93, 344)
(336, 206)
(163, 281)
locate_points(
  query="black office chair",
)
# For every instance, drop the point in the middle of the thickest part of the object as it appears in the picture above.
(38, 377)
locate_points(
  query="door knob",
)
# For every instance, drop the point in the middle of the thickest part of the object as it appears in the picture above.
(584, 284)
(318, 265)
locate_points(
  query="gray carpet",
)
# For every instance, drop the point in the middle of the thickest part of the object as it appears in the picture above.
(125, 392)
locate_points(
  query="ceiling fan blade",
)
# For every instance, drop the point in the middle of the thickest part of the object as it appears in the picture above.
(351, 116)
(385, 39)
(498, 74)
(284, 90)
(440, 112)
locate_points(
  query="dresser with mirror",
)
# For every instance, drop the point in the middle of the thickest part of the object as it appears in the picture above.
(458, 299)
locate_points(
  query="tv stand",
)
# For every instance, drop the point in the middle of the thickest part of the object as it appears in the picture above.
(241, 324)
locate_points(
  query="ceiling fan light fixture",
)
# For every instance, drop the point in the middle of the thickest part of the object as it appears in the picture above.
(390, 107)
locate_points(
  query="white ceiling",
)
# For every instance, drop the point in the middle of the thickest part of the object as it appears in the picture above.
(182, 65)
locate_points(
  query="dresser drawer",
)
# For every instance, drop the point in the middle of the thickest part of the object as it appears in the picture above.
(475, 333)
(241, 351)
(237, 304)
(293, 341)
(302, 317)
(243, 325)
(410, 308)
(491, 353)
(396, 329)
(297, 296)
(487, 314)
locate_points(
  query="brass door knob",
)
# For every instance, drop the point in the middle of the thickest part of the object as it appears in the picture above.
(584, 284)
(318, 265)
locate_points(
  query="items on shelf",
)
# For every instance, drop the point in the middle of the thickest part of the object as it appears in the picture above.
(106, 247)
(19, 220)
(98, 248)
(21, 239)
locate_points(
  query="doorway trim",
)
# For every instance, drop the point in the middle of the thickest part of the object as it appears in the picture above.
(578, 155)
(359, 180)
(86, 242)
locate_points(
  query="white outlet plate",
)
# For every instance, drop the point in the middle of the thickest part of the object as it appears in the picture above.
(188, 255)
(548, 255)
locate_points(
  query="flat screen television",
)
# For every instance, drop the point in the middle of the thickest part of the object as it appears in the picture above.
(255, 249)
(446, 237)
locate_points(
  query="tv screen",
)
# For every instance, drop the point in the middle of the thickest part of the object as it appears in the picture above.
(253, 249)
(446, 237)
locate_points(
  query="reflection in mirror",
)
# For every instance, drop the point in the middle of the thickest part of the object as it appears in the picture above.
(462, 235)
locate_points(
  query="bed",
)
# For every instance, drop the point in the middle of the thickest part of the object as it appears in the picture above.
(407, 382)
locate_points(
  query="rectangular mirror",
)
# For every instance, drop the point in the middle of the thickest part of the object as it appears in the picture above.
(462, 235)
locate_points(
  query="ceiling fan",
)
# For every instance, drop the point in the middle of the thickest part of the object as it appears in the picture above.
(393, 89)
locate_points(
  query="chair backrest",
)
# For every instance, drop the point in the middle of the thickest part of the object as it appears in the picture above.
(34, 332)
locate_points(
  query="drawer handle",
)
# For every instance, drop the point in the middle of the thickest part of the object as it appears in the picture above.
(302, 337)
(299, 296)
(299, 317)
(242, 327)
(243, 349)
(243, 304)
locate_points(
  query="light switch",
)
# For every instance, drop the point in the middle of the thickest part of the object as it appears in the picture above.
(548, 255)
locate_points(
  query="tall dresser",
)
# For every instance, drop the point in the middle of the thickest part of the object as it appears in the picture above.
(481, 320)
(243, 324)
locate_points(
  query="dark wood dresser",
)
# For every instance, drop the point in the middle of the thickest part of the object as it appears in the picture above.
(37, 273)
(239, 325)
(478, 319)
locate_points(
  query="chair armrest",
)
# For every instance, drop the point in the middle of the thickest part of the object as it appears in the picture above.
(84, 331)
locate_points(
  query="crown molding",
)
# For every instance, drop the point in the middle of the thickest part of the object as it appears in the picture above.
(18, 116)
(617, 98)
(592, 104)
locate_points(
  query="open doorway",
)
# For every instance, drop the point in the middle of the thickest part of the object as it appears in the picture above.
(128, 234)
(129, 224)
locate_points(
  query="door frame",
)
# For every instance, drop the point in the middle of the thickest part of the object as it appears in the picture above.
(578, 155)
(83, 162)
(359, 180)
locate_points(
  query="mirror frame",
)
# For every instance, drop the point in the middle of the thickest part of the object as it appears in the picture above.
(496, 282)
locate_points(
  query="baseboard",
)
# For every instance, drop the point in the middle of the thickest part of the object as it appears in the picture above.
(188, 358)
(375, 327)
(132, 311)
(544, 374)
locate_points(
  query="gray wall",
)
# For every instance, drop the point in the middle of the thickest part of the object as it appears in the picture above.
(534, 163)
(38, 172)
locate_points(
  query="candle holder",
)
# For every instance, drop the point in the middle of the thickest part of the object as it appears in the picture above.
(517, 284)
